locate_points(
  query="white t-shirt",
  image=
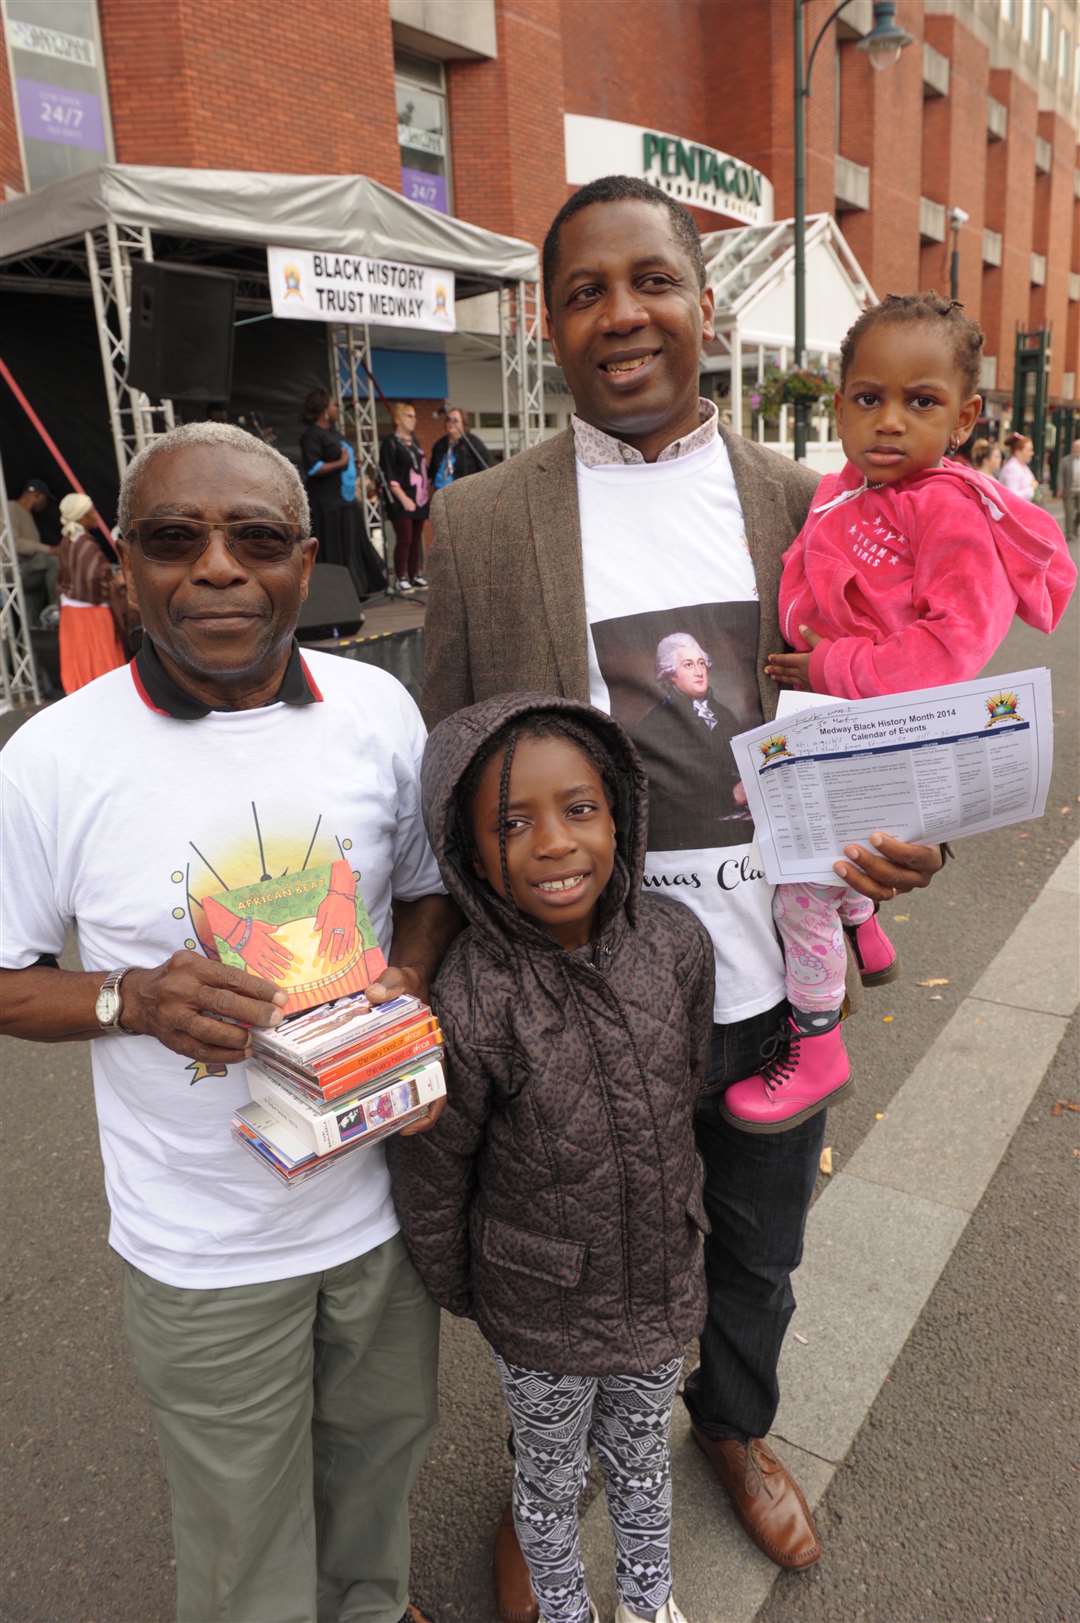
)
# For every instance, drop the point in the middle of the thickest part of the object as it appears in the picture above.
(664, 551)
(117, 818)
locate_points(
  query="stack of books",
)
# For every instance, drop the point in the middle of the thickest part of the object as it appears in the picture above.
(339, 1073)
(338, 1078)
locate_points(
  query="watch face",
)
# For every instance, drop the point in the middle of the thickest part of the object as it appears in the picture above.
(107, 1006)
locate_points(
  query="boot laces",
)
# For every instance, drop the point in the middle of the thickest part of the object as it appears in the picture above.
(755, 1477)
(781, 1056)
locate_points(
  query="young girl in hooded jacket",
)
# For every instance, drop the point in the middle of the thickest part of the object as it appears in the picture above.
(558, 1201)
(907, 574)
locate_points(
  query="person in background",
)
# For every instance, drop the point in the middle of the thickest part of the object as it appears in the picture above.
(1070, 492)
(329, 469)
(986, 458)
(38, 562)
(401, 460)
(457, 454)
(1016, 475)
(90, 640)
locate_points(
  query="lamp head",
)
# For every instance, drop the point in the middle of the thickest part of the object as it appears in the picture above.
(886, 39)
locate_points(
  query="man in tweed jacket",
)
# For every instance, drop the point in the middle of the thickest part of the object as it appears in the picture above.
(533, 561)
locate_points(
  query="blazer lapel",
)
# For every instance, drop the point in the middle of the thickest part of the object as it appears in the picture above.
(555, 522)
(768, 534)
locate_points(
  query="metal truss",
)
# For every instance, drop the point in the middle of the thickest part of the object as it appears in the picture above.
(351, 371)
(522, 363)
(18, 676)
(134, 420)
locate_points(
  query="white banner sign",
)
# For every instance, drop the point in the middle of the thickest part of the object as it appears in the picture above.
(317, 286)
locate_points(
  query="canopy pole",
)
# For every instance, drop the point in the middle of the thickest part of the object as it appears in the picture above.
(365, 408)
(133, 419)
(18, 673)
(530, 365)
(507, 361)
(350, 352)
(735, 361)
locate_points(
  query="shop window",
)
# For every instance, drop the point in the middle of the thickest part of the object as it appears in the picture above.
(1008, 11)
(1064, 54)
(423, 130)
(1029, 22)
(1046, 48)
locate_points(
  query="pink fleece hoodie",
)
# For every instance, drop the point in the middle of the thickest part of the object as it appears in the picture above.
(915, 584)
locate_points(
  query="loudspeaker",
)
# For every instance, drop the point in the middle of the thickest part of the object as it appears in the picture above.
(181, 345)
(332, 607)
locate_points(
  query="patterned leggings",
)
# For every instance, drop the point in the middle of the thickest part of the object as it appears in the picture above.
(810, 919)
(627, 1418)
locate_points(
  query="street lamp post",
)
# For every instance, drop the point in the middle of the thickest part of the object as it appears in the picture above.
(882, 45)
(957, 219)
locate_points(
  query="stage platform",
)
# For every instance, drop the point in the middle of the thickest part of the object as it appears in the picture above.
(392, 637)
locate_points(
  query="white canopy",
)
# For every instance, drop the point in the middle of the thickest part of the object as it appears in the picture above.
(348, 213)
(751, 271)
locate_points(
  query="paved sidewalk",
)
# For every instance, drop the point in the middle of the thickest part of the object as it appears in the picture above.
(878, 1240)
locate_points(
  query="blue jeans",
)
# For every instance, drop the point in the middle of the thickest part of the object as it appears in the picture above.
(758, 1188)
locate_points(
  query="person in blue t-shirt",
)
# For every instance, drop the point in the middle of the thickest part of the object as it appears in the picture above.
(458, 453)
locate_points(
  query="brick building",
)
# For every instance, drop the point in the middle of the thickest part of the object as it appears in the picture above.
(479, 107)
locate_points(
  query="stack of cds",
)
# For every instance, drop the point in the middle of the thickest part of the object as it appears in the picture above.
(337, 1078)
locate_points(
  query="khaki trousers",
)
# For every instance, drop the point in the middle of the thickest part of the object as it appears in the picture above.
(293, 1418)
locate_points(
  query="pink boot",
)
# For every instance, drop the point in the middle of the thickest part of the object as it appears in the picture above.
(803, 1076)
(874, 952)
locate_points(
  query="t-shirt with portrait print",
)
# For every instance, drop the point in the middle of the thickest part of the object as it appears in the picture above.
(672, 610)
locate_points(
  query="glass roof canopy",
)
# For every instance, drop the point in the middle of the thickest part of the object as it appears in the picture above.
(751, 271)
(736, 259)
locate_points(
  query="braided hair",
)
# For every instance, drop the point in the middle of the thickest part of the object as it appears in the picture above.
(966, 335)
(507, 739)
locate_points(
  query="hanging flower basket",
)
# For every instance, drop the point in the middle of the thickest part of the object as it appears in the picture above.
(785, 388)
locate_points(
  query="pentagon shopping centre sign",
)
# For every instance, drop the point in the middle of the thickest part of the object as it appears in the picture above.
(326, 286)
(686, 170)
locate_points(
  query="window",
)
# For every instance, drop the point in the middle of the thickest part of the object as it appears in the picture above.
(1064, 53)
(1076, 71)
(1008, 11)
(1029, 22)
(1046, 48)
(423, 130)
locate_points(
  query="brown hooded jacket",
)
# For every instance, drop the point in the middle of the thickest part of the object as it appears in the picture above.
(558, 1200)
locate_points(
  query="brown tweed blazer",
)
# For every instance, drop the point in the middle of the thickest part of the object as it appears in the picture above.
(506, 608)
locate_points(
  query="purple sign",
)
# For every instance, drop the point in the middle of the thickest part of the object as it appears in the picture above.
(52, 113)
(420, 187)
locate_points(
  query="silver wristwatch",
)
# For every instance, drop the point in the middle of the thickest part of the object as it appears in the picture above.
(107, 1007)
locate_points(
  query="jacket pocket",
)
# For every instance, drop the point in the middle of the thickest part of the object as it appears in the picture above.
(540, 1256)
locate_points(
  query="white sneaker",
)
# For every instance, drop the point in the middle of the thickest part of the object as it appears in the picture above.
(405, 586)
(668, 1613)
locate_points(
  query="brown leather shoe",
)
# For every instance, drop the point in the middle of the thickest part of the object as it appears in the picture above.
(515, 1598)
(765, 1497)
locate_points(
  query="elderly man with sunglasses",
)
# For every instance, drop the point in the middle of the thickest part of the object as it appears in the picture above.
(286, 1346)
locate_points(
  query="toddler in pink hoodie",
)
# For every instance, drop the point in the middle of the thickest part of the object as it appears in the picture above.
(907, 574)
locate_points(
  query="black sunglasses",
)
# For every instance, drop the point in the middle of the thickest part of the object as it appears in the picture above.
(252, 541)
